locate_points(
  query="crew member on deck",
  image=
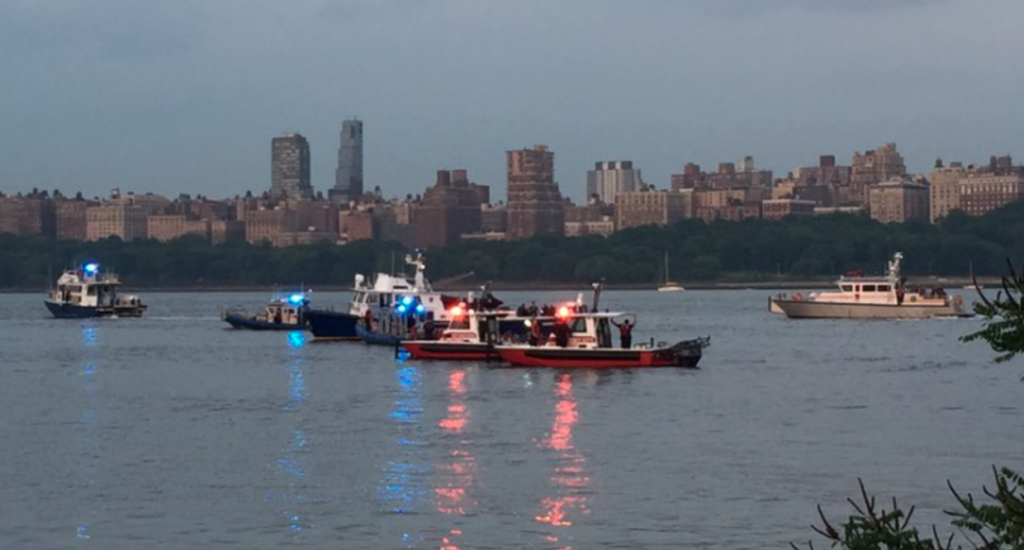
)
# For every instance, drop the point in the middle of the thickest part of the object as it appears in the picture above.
(625, 333)
(561, 332)
(535, 333)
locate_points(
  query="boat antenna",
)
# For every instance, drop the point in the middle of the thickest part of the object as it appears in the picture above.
(597, 294)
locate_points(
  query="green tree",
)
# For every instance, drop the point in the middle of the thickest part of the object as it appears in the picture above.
(1004, 317)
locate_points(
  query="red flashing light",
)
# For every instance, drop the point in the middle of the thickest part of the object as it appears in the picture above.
(563, 311)
(457, 311)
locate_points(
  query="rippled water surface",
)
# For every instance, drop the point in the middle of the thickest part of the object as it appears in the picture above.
(172, 431)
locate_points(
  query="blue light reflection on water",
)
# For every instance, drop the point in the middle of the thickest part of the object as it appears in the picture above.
(89, 458)
(290, 464)
(402, 488)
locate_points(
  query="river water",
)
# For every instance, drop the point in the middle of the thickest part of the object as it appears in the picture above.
(172, 431)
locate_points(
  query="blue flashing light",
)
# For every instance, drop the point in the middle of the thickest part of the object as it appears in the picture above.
(407, 300)
(420, 308)
(91, 269)
(401, 308)
(297, 299)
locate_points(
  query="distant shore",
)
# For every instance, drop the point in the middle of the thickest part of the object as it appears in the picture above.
(952, 283)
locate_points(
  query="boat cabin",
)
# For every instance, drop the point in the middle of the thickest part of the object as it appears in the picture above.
(389, 293)
(492, 327)
(286, 311)
(87, 287)
(584, 330)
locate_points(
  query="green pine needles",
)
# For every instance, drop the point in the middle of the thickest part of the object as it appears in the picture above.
(996, 525)
(1004, 317)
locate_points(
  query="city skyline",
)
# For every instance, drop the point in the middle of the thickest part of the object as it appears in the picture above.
(178, 98)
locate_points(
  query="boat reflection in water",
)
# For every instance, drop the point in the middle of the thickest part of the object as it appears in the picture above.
(402, 488)
(569, 479)
(454, 476)
(292, 502)
(88, 459)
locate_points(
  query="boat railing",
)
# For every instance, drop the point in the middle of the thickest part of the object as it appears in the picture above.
(700, 342)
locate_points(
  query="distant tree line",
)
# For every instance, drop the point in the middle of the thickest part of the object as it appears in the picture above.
(752, 250)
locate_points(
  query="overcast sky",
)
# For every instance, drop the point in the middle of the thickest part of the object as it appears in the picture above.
(185, 95)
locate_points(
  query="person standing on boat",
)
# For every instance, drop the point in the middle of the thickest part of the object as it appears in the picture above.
(625, 333)
(535, 333)
(899, 295)
(561, 332)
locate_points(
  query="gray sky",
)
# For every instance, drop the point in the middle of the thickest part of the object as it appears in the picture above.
(185, 95)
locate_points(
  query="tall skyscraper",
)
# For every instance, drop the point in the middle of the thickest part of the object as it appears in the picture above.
(610, 178)
(348, 178)
(534, 202)
(289, 167)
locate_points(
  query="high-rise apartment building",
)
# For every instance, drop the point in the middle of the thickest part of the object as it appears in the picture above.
(944, 191)
(982, 192)
(872, 167)
(289, 168)
(648, 207)
(70, 219)
(166, 227)
(449, 209)
(119, 218)
(898, 200)
(535, 204)
(348, 177)
(608, 179)
(32, 214)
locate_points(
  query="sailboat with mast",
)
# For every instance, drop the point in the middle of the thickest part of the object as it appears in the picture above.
(973, 284)
(668, 285)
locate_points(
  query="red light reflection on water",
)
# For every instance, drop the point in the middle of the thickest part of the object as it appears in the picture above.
(456, 474)
(458, 414)
(447, 542)
(568, 478)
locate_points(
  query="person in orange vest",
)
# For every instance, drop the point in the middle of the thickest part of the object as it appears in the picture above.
(369, 320)
(625, 333)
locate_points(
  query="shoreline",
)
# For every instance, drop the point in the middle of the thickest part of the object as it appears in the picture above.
(955, 283)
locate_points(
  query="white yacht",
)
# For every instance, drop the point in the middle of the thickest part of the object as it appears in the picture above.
(871, 298)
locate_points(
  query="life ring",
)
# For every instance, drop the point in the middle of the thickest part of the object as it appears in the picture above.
(958, 301)
(798, 297)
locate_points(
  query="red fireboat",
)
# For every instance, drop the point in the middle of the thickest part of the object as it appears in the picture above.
(583, 340)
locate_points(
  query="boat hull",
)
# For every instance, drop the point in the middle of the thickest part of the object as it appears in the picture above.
(569, 358)
(240, 321)
(809, 309)
(449, 351)
(377, 338)
(332, 325)
(62, 310)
